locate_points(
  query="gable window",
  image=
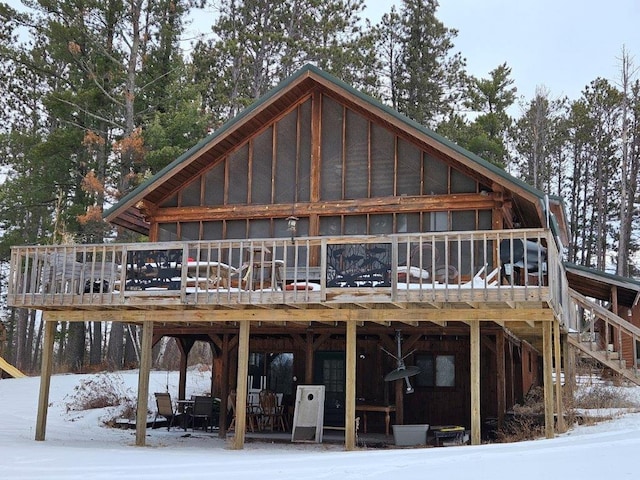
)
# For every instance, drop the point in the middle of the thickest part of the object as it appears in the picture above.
(436, 370)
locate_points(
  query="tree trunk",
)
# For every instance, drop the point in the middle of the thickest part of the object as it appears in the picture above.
(95, 348)
(115, 350)
(21, 350)
(76, 348)
(132, 347)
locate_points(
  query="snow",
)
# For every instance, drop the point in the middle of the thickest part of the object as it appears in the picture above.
(78, 446)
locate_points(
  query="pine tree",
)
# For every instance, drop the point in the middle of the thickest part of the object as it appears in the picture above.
(535, 141)
(431, 80)
(491, 97)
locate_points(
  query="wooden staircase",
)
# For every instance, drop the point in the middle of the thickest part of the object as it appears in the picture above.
(610, 357)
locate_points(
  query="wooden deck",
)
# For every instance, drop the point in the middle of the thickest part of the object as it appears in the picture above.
(373, 278)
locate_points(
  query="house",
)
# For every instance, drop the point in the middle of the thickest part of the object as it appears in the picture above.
(321, 238)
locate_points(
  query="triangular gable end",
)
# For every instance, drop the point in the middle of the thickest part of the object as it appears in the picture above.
(254, 146)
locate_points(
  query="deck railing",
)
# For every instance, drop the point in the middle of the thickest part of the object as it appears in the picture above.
(479, 266)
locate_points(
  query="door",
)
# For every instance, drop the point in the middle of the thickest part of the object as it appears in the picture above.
(329, 370)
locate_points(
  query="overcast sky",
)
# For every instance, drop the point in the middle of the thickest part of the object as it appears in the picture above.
(560, 44)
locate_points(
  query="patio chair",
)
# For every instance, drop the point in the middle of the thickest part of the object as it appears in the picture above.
(202, 413)
(165, 409)
(272, 413)
(253, 413)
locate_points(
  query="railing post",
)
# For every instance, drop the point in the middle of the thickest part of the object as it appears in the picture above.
(323, 269)
(394, 269)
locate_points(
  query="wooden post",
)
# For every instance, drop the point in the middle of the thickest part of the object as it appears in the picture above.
(45, 378)
(558, 363)
(569, 354)
(143, 383)
(224, 405)
(184, 360)
(241, 387)
(547, 366)
(398, 386)
(350, 388)
(501, 378)
(308, 362)
(474, 369)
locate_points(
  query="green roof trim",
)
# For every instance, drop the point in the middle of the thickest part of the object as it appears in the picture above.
(607, 277)
(351, 90)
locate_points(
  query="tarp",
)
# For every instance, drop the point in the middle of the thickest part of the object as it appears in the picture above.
(10, 369)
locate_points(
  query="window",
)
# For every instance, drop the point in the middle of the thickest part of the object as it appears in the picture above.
(436, 370)
(273, 371)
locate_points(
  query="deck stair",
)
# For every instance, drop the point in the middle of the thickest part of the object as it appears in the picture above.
(610, 356)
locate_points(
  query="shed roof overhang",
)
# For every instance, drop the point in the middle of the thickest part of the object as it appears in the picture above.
(129, 212)
(600, 285)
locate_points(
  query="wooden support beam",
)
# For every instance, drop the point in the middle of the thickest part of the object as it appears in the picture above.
(389, 204)
(501, 378)
(308, 364)
(569, 354)
(547, 367)
(185, 345)
(350, 388)
(45, 379)
(558, 364)
(474, 369)
(143, 383)
(241, 387)
(329, 315)
(224, 392)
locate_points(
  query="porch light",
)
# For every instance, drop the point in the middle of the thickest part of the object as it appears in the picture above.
(292, 223)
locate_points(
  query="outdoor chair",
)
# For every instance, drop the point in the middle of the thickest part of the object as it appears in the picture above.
(201, 413)
(422, 267)
(165, 409)
(272, 414)
(253, 413)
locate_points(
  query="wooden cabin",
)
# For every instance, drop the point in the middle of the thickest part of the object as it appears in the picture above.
(321, 238)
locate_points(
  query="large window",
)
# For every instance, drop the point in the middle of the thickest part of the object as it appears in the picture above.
(436, 370)
(273, 371)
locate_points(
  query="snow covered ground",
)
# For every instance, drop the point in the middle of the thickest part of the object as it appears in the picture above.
(78, 446)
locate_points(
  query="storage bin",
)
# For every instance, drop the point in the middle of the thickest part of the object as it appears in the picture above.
(409, 435)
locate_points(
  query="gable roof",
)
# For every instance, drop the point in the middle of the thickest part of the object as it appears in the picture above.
(529, 201)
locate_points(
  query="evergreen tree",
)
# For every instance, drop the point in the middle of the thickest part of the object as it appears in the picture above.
(258, 43)
(491, 97)
(431, 81)
(388, 38)
(82, 87)
(535, 140)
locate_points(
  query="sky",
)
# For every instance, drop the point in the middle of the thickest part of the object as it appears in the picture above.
(560, 45)
(78, 447)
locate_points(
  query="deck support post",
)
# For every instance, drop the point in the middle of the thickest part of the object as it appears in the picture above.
(308, 366)
(501, 380)
(474, 369)
(224, 397)
(547, 366)
(143, 383)
(558, 363)
(184, 347)
(350, 388)
(45, 378)
(241, 386)
(569, 354)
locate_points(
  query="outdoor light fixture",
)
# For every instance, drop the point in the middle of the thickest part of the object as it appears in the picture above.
(292, 223)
